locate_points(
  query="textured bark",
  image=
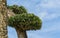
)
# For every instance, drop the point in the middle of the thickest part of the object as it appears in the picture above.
(3, 24)
(4, 15)
(3, 19)
(21, 34)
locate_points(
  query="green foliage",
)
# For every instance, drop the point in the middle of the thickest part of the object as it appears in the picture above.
(17, 9)
(25, 21)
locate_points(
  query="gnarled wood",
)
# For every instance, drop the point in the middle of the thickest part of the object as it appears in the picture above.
(3, 19)
(3, 23)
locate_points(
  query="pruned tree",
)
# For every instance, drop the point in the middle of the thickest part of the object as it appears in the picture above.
(18, 20)
(21, 20)
(24, 22)
(21, 29)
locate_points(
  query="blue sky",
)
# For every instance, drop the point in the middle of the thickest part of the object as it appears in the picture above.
(47, 10)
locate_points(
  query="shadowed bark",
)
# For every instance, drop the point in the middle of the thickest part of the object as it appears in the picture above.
(3, 23)
(21, 33)
(3, 19)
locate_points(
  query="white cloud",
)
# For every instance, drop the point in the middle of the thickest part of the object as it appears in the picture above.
(44, 15)
(43, 7)
(50, 3)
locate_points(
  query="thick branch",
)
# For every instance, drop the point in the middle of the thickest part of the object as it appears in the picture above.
(10, 13)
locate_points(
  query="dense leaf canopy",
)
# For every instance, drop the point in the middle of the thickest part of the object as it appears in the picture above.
(17, 9)
(25, 21)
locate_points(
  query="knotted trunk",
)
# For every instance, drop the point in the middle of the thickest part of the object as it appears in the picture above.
(3, 25)
(3, 19)
(21, 34)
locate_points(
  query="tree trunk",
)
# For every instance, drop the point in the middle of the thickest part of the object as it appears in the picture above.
(3, 20)
(21, 34)
(3, 26)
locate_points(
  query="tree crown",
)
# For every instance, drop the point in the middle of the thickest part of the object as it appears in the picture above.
(25, 21)
(17, 9)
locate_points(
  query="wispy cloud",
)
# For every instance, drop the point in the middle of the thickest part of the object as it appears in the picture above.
(50, 3)
(45, 6)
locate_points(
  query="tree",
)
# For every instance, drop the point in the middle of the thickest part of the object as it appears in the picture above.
(19, 31)
(24, 22)
(19, 27)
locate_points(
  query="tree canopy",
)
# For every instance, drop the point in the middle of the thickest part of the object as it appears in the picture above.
(17, 9)
(25, 21)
